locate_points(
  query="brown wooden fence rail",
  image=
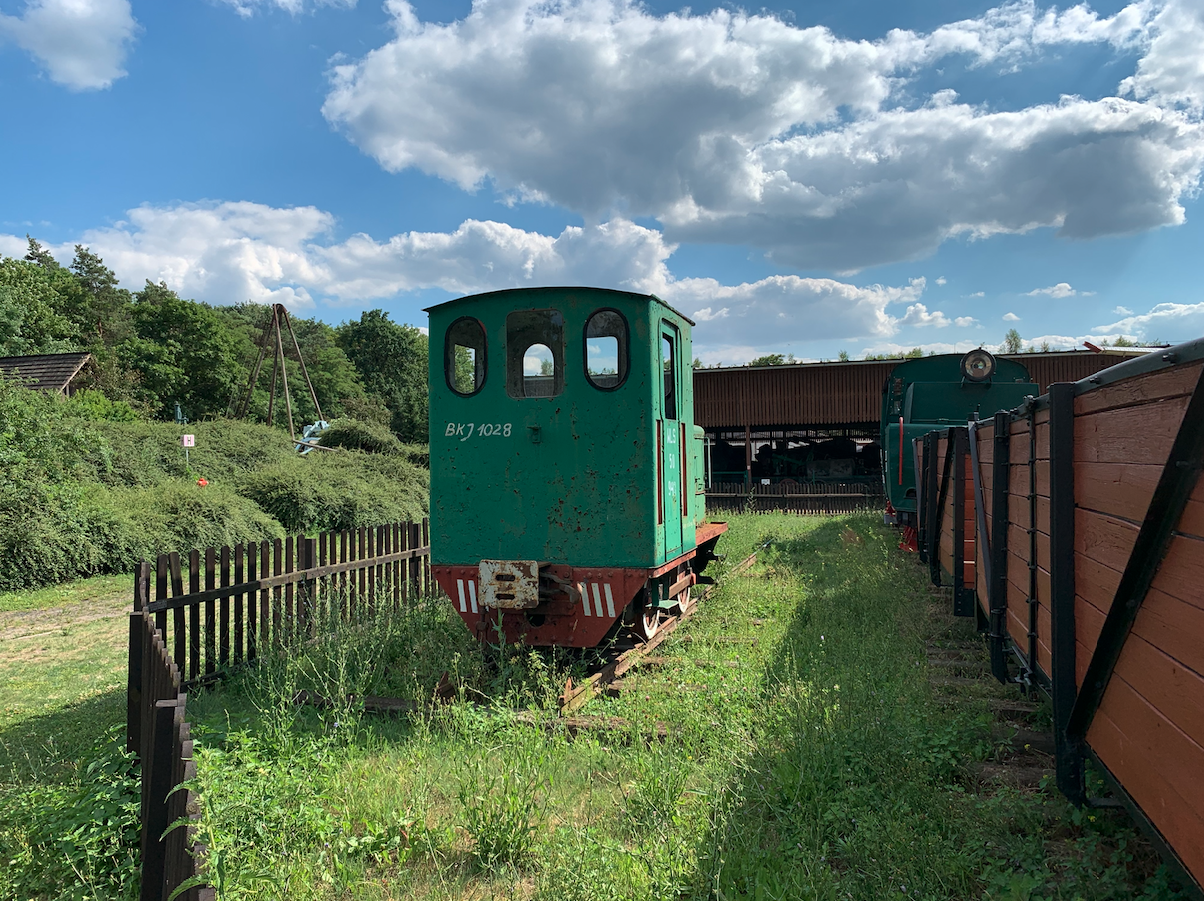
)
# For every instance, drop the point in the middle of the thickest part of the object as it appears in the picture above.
(253, 595)
(795, 497)
(1088, 517)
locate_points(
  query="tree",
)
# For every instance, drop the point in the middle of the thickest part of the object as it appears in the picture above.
(1012, 342)
(843, 356)
(773, 360)
(100, 309)
(29, 319)
(392, 362)
(183, 353)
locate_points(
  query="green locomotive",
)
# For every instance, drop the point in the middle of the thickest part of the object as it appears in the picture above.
(566, 471)
(933, 393)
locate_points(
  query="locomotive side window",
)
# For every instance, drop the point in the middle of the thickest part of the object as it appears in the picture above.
(464, 356)
(670, 405)
(606, 349)
(535, 353)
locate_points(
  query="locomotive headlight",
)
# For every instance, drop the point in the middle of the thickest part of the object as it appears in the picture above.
(978, 365)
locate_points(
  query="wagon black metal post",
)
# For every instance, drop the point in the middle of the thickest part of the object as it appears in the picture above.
(922, 501)
(997, 584)
(1068, 761)
(963, 604)
(1031, 674)
(1174, 488)
(930, 491)
(934, 562)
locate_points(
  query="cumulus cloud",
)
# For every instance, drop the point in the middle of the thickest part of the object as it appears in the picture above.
(1172, 70)
(236, 251)
(965, 321)
(1122, 311)
(739, 128)
(976, 294)
(1060, 290)
(1010, 317)
(82, 44)
(941, 280)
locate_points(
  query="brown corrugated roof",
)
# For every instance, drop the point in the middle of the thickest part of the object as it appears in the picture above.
(44, 372)
(845, 394)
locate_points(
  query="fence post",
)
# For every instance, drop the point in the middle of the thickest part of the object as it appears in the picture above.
(157, 772)
(306, 554)
(1067, 761)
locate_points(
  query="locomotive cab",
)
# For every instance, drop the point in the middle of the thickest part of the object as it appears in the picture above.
(933, 393)
(566, 480)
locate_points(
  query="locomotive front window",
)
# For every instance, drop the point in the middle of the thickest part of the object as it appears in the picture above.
(606, 349)
(535, 353)
(464, 356)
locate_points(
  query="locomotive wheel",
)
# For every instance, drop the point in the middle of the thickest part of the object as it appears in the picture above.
(647, 620)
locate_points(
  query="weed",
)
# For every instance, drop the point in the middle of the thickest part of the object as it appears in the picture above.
(503, 795)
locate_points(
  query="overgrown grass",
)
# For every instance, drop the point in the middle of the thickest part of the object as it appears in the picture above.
(68, 792)
(805, 758)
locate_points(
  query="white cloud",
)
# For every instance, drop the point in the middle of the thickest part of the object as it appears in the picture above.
(1172, 322)
(12, 246)
(740, 128)
(247, 8)
(976, 294)
(1122, 311)
(225, 253)
(965, 321)
(941, 280)
(1060, 290)
(1172, 70)
(1010, 317)
(81, 43)
(917, 315)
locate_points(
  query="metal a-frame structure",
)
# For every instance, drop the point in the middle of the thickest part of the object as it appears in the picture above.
(273, 336)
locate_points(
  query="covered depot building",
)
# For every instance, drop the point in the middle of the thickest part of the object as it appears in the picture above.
(810, 427)
(46, 372)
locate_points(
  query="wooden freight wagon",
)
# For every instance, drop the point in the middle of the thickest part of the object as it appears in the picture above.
(1086, 569)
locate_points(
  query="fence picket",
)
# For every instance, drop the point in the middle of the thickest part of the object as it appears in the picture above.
(210, 613)
(223, 635)
(238, 606)
(194, 616)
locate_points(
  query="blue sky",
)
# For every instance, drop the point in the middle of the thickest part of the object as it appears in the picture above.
(804, 178)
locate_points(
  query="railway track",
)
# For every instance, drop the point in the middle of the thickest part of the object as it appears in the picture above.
(627, 656)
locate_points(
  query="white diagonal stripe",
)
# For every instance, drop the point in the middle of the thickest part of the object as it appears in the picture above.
(597, 599)
(472, 594)
(460, 588)
(610, 601)
(584, 596)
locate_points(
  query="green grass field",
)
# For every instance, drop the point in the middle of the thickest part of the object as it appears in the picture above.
(804, 755)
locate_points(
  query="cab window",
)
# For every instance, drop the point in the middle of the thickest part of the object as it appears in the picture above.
(535, 353)
(464, 356)
(669, 364)
(606, 349)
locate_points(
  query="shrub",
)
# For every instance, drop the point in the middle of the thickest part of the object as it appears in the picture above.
(370, 437)
(343, 491)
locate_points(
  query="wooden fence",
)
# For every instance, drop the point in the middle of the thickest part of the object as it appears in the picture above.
(1086, 567)
(795, 497)
(253, 595)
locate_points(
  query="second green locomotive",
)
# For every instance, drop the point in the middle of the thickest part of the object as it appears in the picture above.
(566, 472)
(933, 393)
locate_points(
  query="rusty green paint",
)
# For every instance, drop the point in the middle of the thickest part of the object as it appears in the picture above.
(585, 492)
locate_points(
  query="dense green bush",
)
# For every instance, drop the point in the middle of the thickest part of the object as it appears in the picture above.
(325, 492)
(371, 437)
(80, 496)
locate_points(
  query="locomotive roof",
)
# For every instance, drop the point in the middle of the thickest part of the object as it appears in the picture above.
(561, 288)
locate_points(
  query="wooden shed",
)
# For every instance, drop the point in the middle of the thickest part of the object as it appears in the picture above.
(46, 372)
